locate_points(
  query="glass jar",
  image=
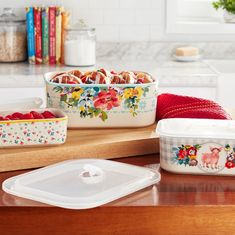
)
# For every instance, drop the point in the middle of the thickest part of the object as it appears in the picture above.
(80, 45)
(12, 37)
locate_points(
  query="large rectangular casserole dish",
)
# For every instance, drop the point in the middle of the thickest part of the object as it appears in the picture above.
(197, 146)
(137, 105)
(33, 132)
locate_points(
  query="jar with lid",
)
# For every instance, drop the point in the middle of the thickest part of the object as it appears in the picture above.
(12, 37)
(80, 45)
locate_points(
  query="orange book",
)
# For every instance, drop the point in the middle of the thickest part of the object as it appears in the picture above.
(58, 34)
(65, 24)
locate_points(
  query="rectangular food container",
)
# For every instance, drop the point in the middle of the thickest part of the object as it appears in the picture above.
(137, 106)
(197, 146)
(33, 132)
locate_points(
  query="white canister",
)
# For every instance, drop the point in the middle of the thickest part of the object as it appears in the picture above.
(80, 46)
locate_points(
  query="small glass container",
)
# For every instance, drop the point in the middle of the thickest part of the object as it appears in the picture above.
(80, 45)
(12, 37)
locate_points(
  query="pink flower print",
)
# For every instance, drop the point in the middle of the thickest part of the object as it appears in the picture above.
(107, 99)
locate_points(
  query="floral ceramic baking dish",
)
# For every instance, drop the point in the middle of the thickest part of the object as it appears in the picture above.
(104, 105)
(33, 132)
(197, 146)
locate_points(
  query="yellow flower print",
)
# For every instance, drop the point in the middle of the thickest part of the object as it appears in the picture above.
(192, 157)
(81, 108)
(128, 93)
(138, 92)
(77, 94)
(119, 98)
(131, 92)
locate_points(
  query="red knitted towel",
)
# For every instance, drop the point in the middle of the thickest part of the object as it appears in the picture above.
(177, 106)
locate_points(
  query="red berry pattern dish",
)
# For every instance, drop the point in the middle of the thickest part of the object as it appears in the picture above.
(101, 76)
(32, 127)
(27, 116)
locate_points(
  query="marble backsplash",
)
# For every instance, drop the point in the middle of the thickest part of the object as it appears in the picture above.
(159, 51)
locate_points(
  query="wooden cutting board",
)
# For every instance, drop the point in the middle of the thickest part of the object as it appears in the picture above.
(85, 143)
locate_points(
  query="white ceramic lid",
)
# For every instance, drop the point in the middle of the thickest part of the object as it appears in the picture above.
(81, 184)
(192, 127)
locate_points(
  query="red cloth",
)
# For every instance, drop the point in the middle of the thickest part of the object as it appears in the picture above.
(177, 106)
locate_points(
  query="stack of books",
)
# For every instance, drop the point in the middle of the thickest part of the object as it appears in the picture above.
(45, 34)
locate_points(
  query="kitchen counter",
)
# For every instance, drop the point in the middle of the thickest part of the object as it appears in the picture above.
(169, 73)
(178, 204)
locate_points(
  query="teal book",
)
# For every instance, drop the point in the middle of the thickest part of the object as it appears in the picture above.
(30, 34)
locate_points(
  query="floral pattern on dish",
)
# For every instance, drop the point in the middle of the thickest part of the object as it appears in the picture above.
(32, 133)
(186, 154)
(98, 101)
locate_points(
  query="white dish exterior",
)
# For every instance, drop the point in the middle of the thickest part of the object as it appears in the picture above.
(187, 58)
(197, 146)
(34, 132)
(78, 102)
(81, 184)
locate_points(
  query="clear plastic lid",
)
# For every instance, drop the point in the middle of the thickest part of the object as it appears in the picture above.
(8, 17)
(199, 128)
(81, 184)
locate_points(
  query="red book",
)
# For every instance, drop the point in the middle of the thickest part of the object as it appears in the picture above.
(38, 34)
(52, 35)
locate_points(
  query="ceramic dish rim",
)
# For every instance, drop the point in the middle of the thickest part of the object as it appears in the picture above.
(48, 75)
(63, 118)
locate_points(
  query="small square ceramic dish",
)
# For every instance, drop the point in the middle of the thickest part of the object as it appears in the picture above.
(33, 132)
(91, 106)
(81, 184)
(197, 146)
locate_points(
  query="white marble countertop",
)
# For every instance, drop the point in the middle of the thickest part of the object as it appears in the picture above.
(169, 73)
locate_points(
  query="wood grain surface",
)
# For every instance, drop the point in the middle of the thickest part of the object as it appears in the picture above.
(178, 204)
(84, 143)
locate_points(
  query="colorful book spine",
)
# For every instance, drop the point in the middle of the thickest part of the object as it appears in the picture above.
(52, 35)
(45, 35)
(38, 34)
(58, 34)
(65, 24)
(30, 34)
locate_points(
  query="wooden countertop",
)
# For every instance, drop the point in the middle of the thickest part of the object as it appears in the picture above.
(179, 204)
(84, 143)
